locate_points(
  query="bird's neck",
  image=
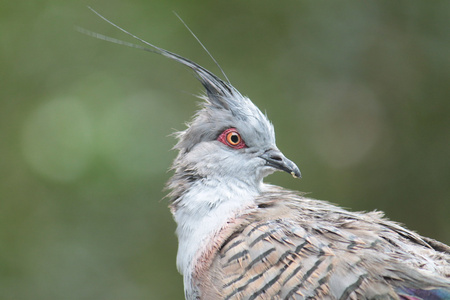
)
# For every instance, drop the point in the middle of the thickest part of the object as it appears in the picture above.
(204, 210)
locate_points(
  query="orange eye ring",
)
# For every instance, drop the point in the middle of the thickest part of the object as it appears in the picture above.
(233, 138)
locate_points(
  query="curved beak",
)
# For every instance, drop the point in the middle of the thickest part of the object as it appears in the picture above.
(275, 159)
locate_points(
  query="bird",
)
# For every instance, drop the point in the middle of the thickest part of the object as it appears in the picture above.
(242, 238)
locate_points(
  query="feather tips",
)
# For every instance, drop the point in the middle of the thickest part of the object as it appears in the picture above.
(281, 251)
(420, 294)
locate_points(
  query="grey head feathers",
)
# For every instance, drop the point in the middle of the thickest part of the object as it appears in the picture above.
(223, 104)
(223, 108)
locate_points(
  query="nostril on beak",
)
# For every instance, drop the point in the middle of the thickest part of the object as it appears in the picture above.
(276, 157)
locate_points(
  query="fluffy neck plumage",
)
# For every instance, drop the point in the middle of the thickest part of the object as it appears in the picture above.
(204, 209)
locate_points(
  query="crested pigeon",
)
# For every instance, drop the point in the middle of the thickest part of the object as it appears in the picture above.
(240, 238)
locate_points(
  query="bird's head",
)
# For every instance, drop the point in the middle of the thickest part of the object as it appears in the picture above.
(229, 136)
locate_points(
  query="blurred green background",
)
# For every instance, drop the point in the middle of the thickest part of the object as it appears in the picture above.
(358, 93)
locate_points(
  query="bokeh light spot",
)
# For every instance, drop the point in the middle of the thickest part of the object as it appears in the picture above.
(57, 139)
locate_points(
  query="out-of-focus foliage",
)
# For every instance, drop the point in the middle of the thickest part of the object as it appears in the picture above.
(358, 92)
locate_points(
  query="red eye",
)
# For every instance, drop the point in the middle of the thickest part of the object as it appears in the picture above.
(232, 138)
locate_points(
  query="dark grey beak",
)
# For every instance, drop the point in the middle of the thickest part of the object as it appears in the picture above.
(275, 159)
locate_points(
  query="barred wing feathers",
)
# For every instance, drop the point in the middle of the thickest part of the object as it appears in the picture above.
(281, 251)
